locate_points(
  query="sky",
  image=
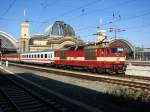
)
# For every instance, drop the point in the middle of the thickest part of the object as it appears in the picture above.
(131, 17)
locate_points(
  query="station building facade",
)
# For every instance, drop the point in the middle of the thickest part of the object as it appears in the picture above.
(57, 36)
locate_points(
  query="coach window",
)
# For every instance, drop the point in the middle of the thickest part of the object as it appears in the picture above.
(34, 55)
(45, 55)
(38, 55)
(49, 55)
(41, 55)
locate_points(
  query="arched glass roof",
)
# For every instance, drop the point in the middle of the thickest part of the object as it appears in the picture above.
(7, 42)
(60, 28)
(129, 47)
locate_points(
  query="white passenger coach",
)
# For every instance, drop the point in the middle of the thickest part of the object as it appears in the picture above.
(40, 57)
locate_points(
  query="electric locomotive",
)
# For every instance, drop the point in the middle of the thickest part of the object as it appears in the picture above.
(96, 58)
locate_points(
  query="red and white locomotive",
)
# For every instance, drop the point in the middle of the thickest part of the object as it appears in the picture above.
(96, 58)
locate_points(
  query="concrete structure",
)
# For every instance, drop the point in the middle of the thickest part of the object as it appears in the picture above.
(24, 37)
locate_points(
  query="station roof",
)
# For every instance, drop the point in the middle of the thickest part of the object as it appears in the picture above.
(60, 28)
(8, 42)
(129, 48)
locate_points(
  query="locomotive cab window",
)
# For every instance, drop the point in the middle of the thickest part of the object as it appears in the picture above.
(113, 50)
(120, 50)
(117, 50)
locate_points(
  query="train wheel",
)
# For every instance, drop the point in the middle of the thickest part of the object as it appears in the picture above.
(100, 70)
(110, 71)
(93, 70)
(69, 67)
(120, 72)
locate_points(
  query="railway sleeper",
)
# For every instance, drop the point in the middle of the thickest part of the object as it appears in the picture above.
(27, 103)
(38, 106)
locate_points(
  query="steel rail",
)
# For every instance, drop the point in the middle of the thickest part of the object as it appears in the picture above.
(22, 99)
(124, 81)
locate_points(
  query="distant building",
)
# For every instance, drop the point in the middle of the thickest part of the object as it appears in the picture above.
(57, 36)
(142, 53)
(24, 37)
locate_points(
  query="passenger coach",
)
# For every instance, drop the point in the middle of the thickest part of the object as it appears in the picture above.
(45, 57)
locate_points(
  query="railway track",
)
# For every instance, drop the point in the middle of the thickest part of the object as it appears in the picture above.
(17, 96)
(139, 63)
(130, 81)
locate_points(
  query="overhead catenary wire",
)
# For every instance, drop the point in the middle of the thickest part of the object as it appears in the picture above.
(45, 4)
(7, 10)
(102, 9)
(76, 9)
(118, 20)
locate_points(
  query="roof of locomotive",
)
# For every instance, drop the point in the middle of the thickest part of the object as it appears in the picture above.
(38, 51)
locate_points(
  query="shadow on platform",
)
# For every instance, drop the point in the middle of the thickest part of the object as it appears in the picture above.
(104, 102)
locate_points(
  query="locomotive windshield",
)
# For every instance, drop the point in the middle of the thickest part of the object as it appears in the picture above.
(117, 50)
